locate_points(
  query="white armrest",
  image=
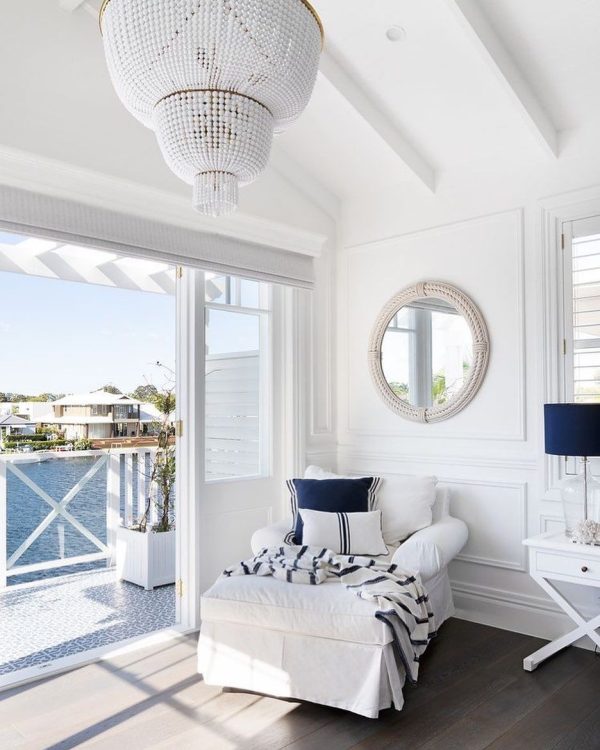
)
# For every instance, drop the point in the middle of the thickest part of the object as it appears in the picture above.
(431, 549)
(270, 536)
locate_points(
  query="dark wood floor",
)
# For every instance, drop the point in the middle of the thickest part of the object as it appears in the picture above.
(472, 694)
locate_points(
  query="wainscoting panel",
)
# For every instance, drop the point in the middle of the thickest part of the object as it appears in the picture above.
(484, 258)
(496, 513)
(554, 524)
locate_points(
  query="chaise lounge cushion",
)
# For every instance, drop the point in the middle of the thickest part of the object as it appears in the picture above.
(326, 611)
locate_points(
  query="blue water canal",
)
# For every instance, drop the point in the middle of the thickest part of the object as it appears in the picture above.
(26, 510)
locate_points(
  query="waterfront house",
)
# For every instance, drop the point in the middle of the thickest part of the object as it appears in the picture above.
(94, 415)
(11, 424)
(30, 411)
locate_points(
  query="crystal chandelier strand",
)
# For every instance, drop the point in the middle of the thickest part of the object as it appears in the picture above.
(214, 80)
(215, 193)
(309, 5)
(216, 131)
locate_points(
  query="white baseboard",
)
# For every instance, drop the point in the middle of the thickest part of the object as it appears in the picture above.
(520, 613)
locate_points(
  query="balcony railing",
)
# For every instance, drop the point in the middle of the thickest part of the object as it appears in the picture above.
(128, 488)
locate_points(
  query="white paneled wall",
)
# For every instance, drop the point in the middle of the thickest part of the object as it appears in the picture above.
(490, 454)
(484, 258)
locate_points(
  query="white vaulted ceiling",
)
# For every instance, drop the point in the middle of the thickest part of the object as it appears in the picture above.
(474, 82)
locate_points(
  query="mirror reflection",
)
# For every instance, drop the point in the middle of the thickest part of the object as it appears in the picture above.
(427, 352)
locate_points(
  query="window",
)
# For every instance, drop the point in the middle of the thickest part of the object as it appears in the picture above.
(99, 410)
(427, 357)
(238, 315)
(582, 311)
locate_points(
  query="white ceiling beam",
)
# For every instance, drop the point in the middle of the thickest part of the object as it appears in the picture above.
(70, 5)
(480, 30)
(371, 113)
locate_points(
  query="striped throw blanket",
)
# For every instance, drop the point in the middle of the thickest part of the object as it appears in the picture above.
(402, 602)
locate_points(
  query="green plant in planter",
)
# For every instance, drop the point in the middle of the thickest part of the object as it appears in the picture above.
(82, 444)
(163, 464)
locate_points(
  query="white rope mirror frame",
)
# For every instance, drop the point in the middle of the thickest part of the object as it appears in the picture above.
(481, 351)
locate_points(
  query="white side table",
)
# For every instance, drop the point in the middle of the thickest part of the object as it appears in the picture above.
(554, 557)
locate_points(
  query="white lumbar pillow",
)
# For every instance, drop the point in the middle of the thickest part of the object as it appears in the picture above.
(405, 502)
(344, 533)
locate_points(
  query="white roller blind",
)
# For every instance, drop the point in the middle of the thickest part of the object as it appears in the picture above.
(76, 223)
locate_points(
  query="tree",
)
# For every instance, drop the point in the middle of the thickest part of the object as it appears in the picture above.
(111, 389)
(162, 473)
(147, 393)
(165, 403)
(16, 397)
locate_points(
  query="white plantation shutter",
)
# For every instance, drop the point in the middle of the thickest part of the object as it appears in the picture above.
(585, 279)
(75, 223)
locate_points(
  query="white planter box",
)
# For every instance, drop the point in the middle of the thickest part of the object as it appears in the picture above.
(146, 559)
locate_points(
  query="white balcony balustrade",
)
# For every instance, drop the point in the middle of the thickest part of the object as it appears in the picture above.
(128, 490)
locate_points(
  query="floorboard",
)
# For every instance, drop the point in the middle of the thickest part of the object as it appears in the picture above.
(472, 695)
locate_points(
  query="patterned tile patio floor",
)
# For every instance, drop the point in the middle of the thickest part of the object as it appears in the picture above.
(67, 615)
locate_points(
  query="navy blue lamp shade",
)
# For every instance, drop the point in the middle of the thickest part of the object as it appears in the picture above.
(572, 429)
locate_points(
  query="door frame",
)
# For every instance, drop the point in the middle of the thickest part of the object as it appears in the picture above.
(289, 343)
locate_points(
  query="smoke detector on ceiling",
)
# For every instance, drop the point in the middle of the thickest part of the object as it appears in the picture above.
(396, 34)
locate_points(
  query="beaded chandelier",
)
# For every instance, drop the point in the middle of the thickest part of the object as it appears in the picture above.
(215, 79)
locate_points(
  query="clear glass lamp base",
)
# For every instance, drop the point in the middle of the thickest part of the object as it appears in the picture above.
(573, 499)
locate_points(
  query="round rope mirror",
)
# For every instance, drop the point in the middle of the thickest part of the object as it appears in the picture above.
(429, 352)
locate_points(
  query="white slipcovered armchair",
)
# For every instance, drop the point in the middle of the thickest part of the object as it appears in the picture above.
(320, 643)
(427, 552)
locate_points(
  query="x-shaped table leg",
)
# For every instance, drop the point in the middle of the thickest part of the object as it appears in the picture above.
(584, 627)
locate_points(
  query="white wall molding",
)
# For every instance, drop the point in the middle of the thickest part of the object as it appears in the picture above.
(520, 562)
(551, 523)
(361, 464)
(351, 456)
(25, 170)
(578, 202)
(519, 434)
(322, 346)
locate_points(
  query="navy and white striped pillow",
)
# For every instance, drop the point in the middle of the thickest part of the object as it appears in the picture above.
(331, 496)
(344, 533)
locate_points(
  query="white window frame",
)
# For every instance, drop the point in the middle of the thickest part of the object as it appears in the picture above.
(568, 231)
(555, 215)
(264, 313)
(420, 337)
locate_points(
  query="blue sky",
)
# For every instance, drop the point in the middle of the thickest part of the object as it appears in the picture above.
(65, 337)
